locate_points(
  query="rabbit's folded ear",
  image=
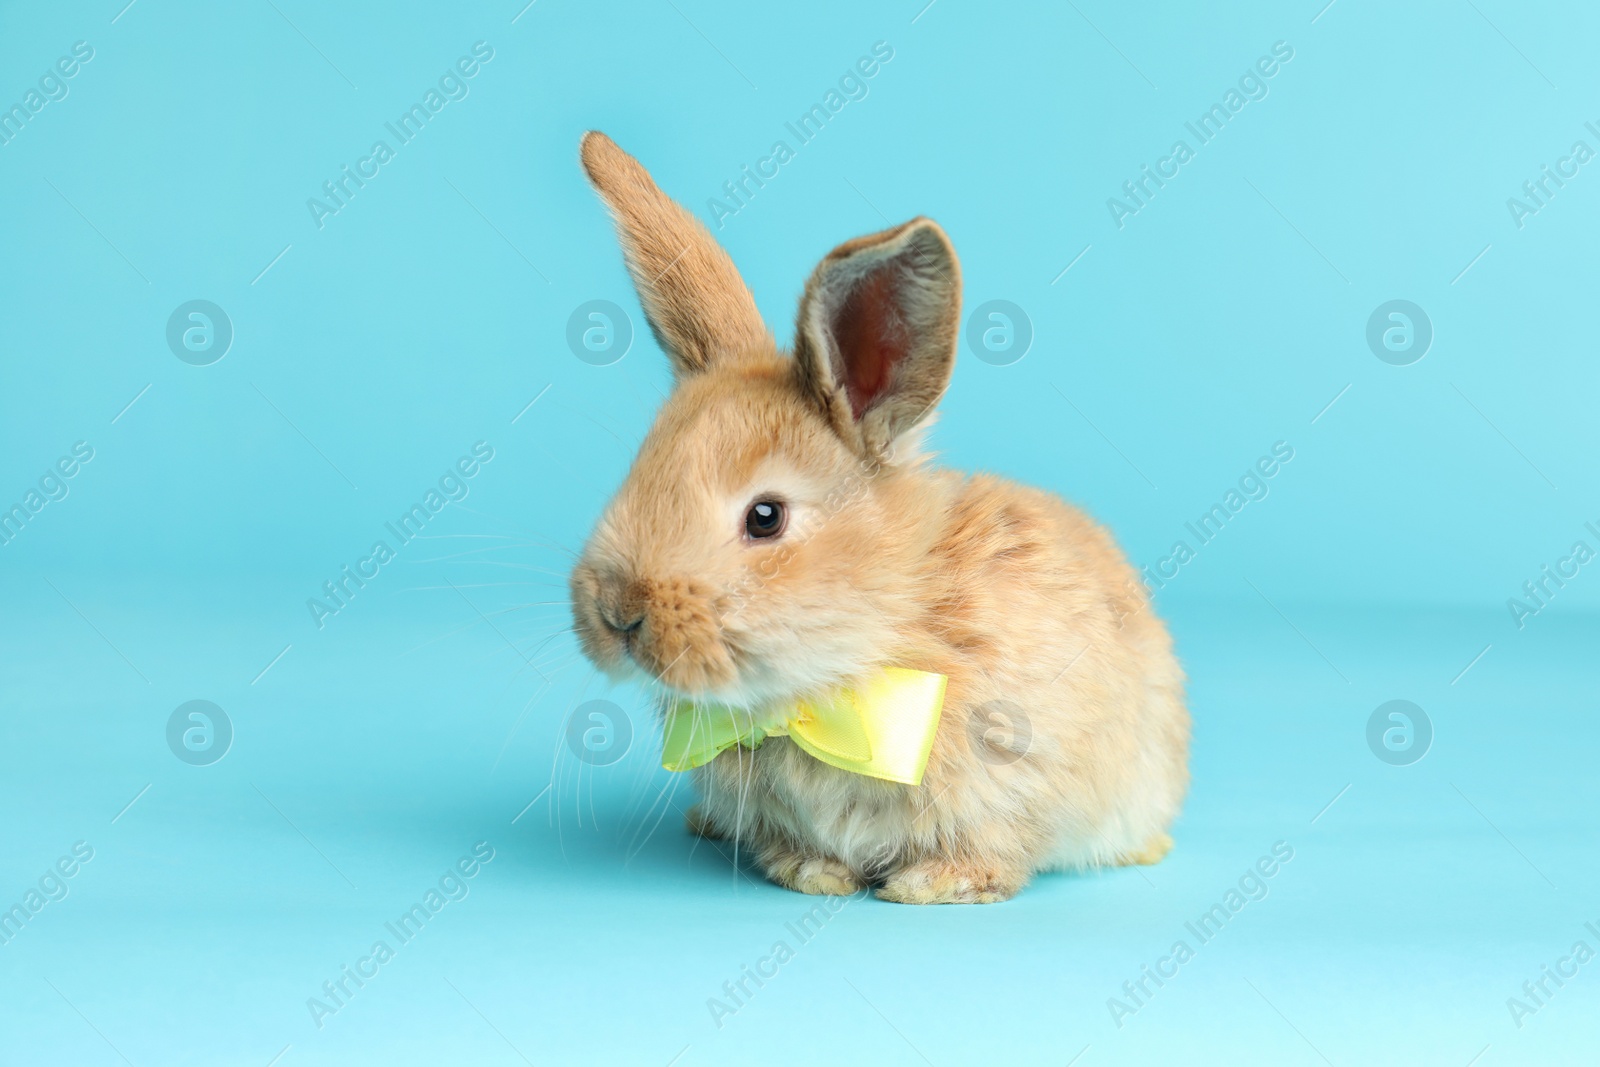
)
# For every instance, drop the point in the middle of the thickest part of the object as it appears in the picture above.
(697, 305)
(878, 328)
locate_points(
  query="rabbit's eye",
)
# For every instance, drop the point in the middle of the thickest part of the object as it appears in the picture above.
(766, 518)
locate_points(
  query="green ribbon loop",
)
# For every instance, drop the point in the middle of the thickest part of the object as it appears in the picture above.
(882, 728)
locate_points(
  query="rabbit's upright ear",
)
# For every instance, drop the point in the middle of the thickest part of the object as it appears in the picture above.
(698, 307)
(878, 329)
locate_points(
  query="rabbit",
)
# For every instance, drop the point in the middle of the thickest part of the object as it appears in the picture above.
(783, 532)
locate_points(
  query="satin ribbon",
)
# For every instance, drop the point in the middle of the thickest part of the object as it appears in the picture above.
(882, 728)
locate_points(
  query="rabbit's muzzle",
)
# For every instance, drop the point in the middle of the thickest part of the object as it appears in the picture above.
(667, 627)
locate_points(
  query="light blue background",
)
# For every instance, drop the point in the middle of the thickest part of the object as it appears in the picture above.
(427, 715)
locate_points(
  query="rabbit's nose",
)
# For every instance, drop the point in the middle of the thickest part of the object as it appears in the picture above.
(623, 605)
(623, 623)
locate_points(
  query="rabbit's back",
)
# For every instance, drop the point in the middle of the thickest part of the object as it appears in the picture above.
(1064, 695)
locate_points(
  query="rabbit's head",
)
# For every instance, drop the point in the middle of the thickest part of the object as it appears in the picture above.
(777, 518)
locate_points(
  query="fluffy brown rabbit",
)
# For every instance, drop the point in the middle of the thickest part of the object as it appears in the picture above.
(782, 533)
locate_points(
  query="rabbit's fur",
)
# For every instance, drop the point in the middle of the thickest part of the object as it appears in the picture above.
(1063, 741)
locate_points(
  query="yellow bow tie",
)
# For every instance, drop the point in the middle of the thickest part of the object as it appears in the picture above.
(883, 728)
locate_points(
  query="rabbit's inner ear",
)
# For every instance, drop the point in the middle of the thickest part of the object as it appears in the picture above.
(878, 329)
(869, 339)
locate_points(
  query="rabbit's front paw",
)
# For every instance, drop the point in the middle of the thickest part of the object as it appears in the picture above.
(699, 824)
(817, 875)
(943, 882)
